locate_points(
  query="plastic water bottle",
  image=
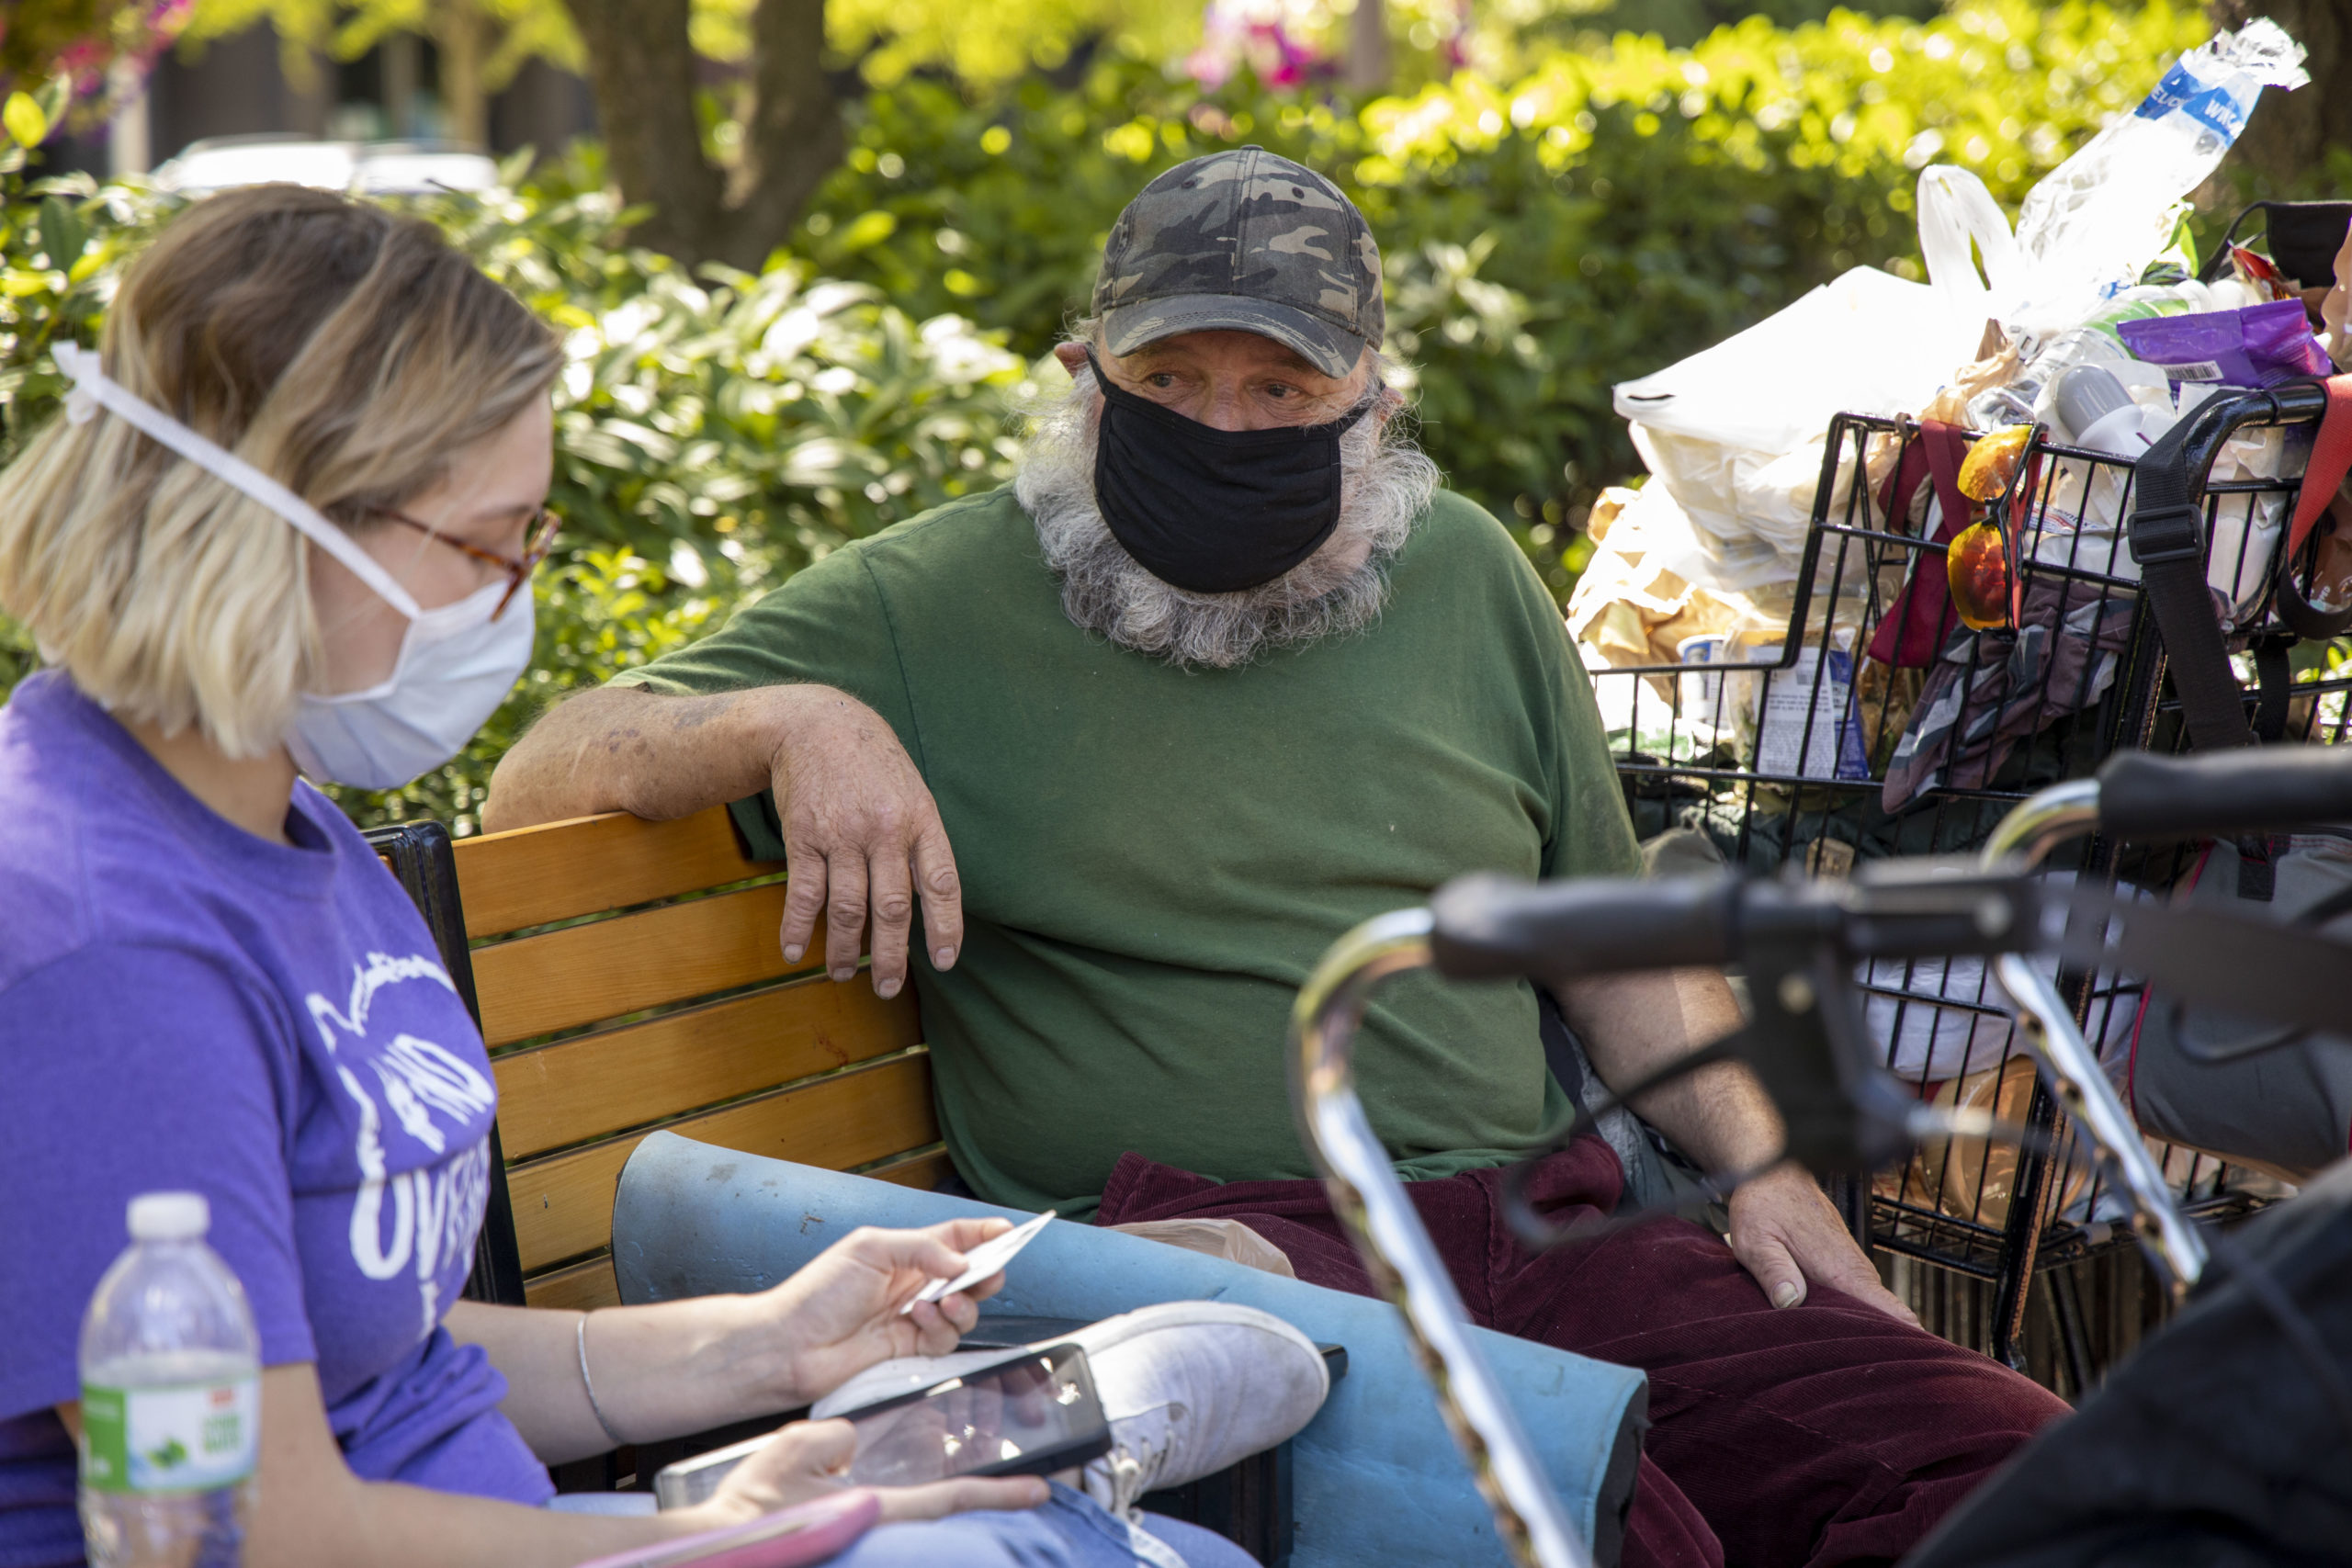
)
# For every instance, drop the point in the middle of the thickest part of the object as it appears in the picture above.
(171, 1398)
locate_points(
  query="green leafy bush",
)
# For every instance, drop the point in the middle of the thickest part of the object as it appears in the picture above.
(1601, 216)
(713, 434)
(601, 612)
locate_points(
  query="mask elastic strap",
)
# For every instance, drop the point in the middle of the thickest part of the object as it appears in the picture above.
(92, 388)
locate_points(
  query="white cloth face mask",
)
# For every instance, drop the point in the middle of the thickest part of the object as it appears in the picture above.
(456, 664)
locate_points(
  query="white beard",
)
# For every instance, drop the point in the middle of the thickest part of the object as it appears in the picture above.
(1386, 484)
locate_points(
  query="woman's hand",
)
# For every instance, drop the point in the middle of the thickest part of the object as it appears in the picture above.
(669, 1368)
(840, 1314)
(810, 1459)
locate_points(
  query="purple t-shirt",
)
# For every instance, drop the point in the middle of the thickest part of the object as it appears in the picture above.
(185, 1006)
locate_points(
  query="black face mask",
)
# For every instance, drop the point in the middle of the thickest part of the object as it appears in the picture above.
(1214, 511)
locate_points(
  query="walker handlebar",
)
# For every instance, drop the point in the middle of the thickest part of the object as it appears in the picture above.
(1488, 927)
(2143, 796)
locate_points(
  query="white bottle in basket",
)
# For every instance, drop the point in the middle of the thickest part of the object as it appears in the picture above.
(2094, 406)
(2094, 412)
(171, 1398)
(2091, 402)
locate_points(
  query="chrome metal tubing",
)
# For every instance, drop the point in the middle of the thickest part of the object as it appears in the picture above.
(2076, 1077)
(2042, 821)
(2022, 840)
(1387, 1230)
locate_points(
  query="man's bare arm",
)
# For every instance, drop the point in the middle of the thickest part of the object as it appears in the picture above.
(1783, 1230)
(860, 831)
(1633, 1025)
(621, 748)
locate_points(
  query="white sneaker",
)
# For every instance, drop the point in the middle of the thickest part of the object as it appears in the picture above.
(905, 1374)
(1188, 1388)
(1191, 1387)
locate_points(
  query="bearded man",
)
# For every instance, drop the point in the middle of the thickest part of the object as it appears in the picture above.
(1223, 674)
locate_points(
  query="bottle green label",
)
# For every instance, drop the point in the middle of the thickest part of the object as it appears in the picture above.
(188, 1437)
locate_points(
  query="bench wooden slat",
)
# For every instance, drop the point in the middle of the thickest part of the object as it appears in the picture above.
(578, 1287)
(585, 973)
(595, 1085)
(559, 871)
(925, 1169)
(564, 1204)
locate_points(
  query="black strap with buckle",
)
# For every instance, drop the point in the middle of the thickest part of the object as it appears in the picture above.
(2167, 536)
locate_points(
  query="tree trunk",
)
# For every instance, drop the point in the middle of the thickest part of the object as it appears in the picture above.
(401, 58)
(643, 72)
(1368, 67)
(461, 39)
(2287, 137)
(792, 135)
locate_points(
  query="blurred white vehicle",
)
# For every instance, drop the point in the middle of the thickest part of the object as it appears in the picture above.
(223, 162)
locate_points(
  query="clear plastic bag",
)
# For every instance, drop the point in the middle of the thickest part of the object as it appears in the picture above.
(2089, 229)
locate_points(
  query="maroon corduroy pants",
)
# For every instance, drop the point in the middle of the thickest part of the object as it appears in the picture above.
(1796, 1437)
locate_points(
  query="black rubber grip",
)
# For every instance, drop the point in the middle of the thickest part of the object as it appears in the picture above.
(2141, 796)
(1488, 927)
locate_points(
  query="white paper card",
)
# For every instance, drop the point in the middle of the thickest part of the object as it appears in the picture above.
(989, 1257)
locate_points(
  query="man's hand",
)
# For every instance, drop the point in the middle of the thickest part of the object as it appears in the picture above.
(1785, 1232)
(861, 834)
(840, 1315)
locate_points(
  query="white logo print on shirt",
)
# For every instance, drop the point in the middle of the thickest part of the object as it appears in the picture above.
(436, 1210)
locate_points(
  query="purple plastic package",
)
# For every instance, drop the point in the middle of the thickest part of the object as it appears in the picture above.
(2261, 345)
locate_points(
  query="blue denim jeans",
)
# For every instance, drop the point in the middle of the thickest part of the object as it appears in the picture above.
(1069, 1531)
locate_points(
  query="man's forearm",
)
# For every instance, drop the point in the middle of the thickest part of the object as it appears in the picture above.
(619, 749)
(1632, 1025)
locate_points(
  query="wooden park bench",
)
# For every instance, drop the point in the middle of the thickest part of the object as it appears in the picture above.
(628, 977)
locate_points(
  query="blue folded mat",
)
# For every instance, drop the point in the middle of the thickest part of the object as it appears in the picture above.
(1377, 1480)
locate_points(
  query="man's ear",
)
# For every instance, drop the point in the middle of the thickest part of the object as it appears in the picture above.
(1387, 400)
(1072, 355)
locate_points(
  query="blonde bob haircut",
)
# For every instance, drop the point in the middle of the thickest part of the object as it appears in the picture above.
(347, 353)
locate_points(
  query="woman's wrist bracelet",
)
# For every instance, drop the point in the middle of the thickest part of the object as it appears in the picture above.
(588, 1384)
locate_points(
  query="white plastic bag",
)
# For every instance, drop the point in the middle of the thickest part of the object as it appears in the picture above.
(1849, 345)
(2088, 229)
(1941, 1019)
(1748, 509)
(1735, 433)
(1959, 219)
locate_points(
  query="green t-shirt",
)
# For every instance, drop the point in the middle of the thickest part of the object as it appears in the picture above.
(1153, 859)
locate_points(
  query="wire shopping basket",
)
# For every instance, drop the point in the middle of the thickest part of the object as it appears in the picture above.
(1873, 723)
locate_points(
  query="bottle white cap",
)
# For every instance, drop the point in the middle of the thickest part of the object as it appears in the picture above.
(169, 1216)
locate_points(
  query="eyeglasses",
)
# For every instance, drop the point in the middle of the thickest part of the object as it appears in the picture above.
(536, 544)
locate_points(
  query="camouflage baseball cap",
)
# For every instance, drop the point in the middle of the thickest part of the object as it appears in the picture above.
(1248, 240)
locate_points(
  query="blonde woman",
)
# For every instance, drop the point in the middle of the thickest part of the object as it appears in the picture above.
(287, 526)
